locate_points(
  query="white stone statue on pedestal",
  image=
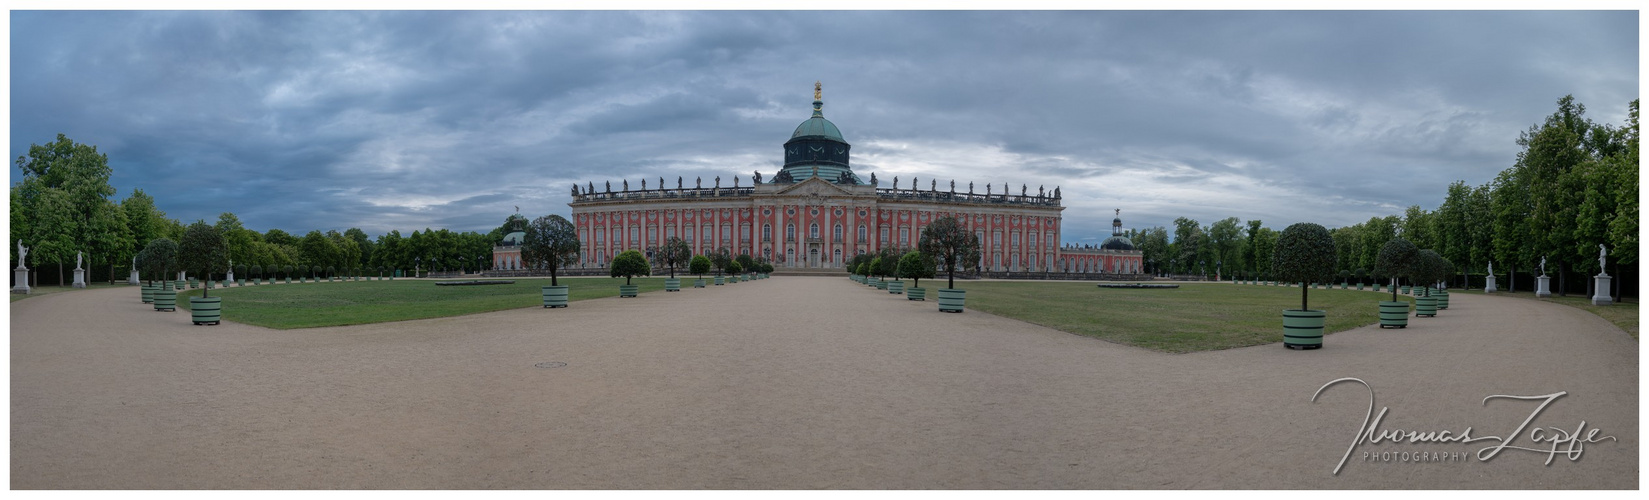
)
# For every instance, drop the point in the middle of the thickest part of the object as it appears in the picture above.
(1488, 286)
(230, 273)
(1600, 294)
(1543, 283)
(22, 272)
(133, 278)
(79, 274)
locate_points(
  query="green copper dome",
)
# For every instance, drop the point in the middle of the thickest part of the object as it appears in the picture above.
(818, 126)
(817, 149)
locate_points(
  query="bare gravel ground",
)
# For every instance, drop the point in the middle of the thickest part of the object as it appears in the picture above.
(789, 383)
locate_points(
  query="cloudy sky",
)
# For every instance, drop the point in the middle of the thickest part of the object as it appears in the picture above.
(407, 120)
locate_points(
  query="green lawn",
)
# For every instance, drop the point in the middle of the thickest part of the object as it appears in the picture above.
(1193, 317)
(1623, 314)
(309, 305)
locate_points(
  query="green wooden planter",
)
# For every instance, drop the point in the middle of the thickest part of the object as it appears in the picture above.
(698, 283)
(952, 299)
(179, 284)
(732, 279)
(1425, 306)
(166, 300)
(628, 290)
(881, 285)
(896, 287)
(1342, 286)
(872, 281)
(1303, 329)
(203, 310)
(288, 280)
(555, 296)
(917, 294)
(149, 293)
(194, 283)
(720, 281)
(1442, 298)
(240, 282)
(1394, 314)
(1359, 285)
(672, 284)
(1406, 290)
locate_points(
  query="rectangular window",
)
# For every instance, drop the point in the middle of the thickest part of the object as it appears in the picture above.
(600, 237)
(669, 232)
(652, 235)
(1015, 239)
(744, 233)
(635, 236)
(904, 236)
(884, 239)
(1032, 236)
(726, 233)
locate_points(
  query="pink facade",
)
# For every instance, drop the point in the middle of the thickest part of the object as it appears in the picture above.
(817, 224)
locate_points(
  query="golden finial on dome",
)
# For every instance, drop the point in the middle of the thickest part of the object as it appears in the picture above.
(817, 90)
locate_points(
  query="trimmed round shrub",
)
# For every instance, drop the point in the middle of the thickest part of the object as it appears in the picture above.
(1305, 253)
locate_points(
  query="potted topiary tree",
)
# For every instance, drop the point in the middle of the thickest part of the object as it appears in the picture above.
(1396, 258)
(699, 265)
(1428, 268)
(551, 242)
(916, 265)
(203, 249)
(673, 254)
(1345, 277)
(1305, 253)
(240, 274)
(733, 270)
(257, 273)
(159, 258)
(286, 272)
(331, 273)
(629, 264)
(1361, 274)
(889, 266)
(875, 269)
(746, 264)
(1442, 292)
(719, 261)
(953, 246)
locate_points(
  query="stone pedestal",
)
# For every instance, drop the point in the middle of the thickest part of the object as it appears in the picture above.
(22, 274)
(1601, 297)
(79, 278)
(133, 279)
(231, 278)
(1490, 288)
(1543, 286)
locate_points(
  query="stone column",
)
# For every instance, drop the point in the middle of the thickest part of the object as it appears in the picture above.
(1543, 286)
(1600, 295)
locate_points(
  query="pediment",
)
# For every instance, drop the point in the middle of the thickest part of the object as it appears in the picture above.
(814, 186)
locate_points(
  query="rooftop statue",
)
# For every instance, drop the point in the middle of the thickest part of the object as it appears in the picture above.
(590, 189)
(644, 184)
(678, 182)
(1022, 189)
(718, 182)
(735, 182)
(626, 185)
(970, 188)
(575, 190)
(698, 183)
(609, 186)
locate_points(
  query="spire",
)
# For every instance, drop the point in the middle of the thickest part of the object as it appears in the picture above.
(818, 103)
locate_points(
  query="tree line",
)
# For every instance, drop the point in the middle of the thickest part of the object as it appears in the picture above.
(64, 204)
(1573, 186)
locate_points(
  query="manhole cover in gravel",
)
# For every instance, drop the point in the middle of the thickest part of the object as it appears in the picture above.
(551, 364)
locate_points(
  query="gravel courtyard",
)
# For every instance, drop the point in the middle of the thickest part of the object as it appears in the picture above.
(792, 383)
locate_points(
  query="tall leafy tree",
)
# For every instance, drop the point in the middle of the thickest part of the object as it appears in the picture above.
(552, 243)
(952, 245)
(675, 253)
(1305, 254)
(1224, 236)
(203, 252)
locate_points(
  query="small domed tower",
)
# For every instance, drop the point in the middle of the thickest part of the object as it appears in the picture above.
(1117, 241)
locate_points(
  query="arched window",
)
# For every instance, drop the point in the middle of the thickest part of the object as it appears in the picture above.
(838, 232)
(813, 230)
(861, 233)
(767, 232)
(709, 234)
(1030, 264)
(790, 232)
(836, 256)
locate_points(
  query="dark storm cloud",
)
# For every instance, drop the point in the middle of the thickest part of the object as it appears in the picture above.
(407, 120)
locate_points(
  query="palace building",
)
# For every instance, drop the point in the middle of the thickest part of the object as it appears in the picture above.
(816, 212)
